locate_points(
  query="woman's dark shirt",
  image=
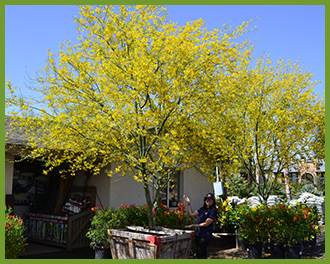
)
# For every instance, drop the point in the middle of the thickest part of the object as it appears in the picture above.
(205, 232)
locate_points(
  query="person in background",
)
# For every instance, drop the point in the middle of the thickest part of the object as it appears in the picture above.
(204, 227)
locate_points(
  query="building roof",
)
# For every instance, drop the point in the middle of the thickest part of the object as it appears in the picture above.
(14, 136)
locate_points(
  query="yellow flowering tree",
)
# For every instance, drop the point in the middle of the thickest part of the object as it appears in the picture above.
(319, 146)
(273, 119)
(130, 92)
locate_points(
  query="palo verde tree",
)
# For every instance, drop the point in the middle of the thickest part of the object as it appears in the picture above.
(125, 92)
(272, 120)
(319, 144)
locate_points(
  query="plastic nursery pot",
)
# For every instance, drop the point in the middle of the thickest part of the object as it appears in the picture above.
(277, 251)
(102, 252)
(293, 252)
(255, 251)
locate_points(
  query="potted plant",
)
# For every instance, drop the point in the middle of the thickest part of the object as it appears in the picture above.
(276, 226)
(252, 228)
(15, 242)
(97, 232)
(301, 225)
(288, 226)
(227, 219)
(315, 228)
(110, 218)
(175, 218)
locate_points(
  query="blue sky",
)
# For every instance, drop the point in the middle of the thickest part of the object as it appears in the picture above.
(284, 31)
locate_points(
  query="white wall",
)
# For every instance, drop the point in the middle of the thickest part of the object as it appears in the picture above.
(116, 190)
(113, 191)
(195, 186)
(126, 190)
(9, 172)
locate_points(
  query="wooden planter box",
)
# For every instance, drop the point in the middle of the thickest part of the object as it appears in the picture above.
(141, 243)
(67, 232)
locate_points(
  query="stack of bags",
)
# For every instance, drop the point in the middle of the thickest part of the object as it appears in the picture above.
(234, 199)
(311, 200)
(273, 200)
(254, 201)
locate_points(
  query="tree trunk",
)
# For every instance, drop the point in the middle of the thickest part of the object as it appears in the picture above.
(150, 204)
(287, 188)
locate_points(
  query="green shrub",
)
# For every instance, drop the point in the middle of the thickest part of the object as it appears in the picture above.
(14, 239)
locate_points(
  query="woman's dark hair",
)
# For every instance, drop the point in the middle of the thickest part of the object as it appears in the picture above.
(211, 207)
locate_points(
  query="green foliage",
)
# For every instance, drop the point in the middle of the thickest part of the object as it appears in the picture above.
(14, 239)
(227, 218)
(317, 187)
(238, 186)
(133, 215)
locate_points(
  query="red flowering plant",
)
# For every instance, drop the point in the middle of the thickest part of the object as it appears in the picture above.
(299, 223)
(314, 219)
(289, 225)
(252, 220)
(280, 223)
(133, 215)
(15, 242)
(276, 222)
(175, 218)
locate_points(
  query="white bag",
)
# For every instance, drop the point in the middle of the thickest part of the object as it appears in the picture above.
(217, 186)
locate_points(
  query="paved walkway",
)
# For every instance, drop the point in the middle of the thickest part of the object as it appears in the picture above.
(41, 251)
(220, 248)
(216, 252)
